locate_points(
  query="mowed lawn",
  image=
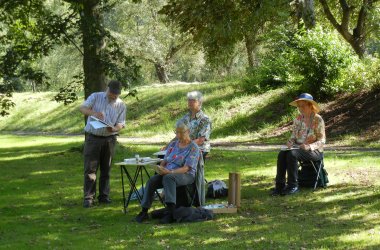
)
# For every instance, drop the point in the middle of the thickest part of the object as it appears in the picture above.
(41, 203)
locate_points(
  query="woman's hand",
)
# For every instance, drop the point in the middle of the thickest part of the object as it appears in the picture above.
(164, 171)
(305, 147)
(289, 144)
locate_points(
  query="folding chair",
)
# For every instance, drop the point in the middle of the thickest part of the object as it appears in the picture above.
(193, 194)
(312, 174)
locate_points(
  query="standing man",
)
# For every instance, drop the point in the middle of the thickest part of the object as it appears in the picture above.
(100, 143)
(200, 123)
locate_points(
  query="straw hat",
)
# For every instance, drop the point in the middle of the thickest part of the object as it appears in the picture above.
(308, 98)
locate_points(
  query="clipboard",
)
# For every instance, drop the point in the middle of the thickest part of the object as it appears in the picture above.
(97, 123)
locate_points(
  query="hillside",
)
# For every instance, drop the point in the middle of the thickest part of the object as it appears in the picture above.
(236, 115)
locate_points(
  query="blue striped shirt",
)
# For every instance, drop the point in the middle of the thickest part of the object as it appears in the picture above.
(114, 112)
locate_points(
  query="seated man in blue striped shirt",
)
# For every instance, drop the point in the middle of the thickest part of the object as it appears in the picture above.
(100, 143)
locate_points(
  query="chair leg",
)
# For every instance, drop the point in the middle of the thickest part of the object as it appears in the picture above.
(317, 171)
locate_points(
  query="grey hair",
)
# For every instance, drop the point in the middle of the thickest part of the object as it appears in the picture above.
(195, 95)
(182, 124)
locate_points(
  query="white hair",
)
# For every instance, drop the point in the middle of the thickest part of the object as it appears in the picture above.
(182, 124)
(195, 95)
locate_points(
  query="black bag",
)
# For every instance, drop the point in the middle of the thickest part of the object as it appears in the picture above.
(307, 175)
(216, 189)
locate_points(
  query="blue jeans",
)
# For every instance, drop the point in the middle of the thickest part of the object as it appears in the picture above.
(169, 182)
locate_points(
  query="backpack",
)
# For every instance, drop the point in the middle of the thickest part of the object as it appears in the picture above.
(307, 176)
(216, 189)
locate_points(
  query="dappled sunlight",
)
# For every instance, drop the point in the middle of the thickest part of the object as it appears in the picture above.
(44, 187)
(46, 172)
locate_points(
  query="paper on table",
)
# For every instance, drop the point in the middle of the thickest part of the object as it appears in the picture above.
(163, 152)
(97, 123)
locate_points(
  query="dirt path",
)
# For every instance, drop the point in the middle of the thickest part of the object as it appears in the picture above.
(240, 146)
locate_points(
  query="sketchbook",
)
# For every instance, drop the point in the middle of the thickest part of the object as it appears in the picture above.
(97, 123)
(285, 148)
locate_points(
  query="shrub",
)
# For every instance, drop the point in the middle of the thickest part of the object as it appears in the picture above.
(362, 74)
(320, 58)
(313, 60)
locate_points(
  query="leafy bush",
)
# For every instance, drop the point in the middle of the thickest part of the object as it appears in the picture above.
(320, 58)
(362, 74)
(313, 60)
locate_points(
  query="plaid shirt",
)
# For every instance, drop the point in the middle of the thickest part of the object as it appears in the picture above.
(310, 132)
(200, 126)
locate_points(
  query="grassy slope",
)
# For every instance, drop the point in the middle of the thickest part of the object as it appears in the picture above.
(41, 198)
(235, 115)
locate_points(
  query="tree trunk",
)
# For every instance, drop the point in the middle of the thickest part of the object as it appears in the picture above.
(250, 46)
(304, 9)
(93, 45)
(357, 39)
(308, 13)
(161, 73)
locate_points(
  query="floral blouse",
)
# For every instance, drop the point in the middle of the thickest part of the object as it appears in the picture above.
(310, 132)
(200, 126)
(177, 157)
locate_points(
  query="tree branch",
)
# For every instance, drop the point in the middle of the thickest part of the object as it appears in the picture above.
(329, 15)
(346, 14)
(73, 42)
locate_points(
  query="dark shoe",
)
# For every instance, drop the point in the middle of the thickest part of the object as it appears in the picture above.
(167, 219)
(275, 192)
(290, 190)
(159, 213)
(105, 201)
(142, 216)
(87, 203)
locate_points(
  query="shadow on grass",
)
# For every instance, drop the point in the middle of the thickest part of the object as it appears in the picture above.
(41, 207)
(271, 113)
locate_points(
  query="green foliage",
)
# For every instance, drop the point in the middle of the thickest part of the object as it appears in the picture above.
(320, 57)
(313, 60)
(220, 25)
(362, 74)
(6, 104)
(68, 93)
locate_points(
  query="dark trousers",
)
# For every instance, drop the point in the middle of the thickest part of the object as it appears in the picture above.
(98, 152)
(169, 182)
(287, 162)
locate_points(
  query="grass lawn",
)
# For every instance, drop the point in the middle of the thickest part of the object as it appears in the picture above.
(41, 203)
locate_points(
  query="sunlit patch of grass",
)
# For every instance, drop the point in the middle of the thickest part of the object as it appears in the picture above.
(41, 203)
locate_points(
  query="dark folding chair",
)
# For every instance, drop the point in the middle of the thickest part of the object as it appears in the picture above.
(312, 174)
(192, 194)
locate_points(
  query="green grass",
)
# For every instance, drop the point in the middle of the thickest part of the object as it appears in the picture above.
(41, 203)
(234, 113)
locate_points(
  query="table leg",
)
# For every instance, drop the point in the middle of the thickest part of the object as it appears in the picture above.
(122, 184)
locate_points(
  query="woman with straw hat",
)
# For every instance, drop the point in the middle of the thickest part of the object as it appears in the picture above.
(306, 143)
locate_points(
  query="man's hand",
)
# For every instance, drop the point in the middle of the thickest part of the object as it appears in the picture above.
(98, 115)
(111, 129)
(116, 128)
